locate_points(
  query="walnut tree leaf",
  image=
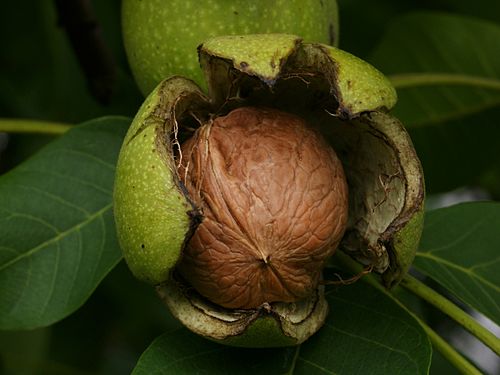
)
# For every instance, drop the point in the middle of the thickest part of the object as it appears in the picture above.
(57, 238)
(459, 250)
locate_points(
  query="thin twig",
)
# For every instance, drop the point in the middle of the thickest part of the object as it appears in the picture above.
(32, 126)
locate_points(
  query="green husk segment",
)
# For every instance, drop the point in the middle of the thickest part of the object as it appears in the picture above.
(356, 85)
(386, 190)
(264, 332)
(404, 232)
(279, 325)
(402, 235)
(360, 86)
(151, 213)
(260, 55)
(404, 247)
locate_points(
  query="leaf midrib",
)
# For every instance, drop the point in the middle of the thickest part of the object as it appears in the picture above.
(58, 237)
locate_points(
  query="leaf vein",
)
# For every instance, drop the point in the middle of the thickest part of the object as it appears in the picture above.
(54, 197)
(377, 343)
(50, 294)
(57, 238)
(84, 154)
(316, 366)
(13, 215)
(67, 177)
(465, 270)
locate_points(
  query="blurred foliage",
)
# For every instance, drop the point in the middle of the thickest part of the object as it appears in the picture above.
(40, 76)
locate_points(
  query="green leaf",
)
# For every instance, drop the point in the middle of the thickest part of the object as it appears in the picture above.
(57, 238)
(459, 249)
(366, 332)
(182, 352)
(453, 104)
(443, 45)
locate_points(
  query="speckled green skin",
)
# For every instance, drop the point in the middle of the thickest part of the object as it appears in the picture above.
(361, 86)
(256, 54)
(161, 36)
(151, 213)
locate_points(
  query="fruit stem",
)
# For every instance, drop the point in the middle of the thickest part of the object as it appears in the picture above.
(453, 311)
(32, 126)
(454, 357)
(431, 79)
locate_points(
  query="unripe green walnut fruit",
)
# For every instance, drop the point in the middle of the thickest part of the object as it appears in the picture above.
(161, 36)
(249, 149)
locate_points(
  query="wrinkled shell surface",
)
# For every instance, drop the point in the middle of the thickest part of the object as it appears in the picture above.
(274, 201)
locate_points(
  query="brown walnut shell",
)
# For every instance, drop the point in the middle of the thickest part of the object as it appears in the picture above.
(274, 201)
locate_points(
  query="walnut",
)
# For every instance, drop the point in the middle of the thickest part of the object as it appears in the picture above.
(274, 202)
(271, 192)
